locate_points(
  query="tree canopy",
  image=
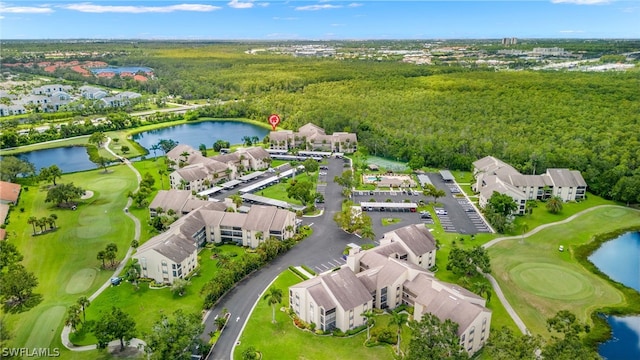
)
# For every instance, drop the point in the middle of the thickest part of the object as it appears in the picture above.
(63, 193)
(434, 339)
(466, 262)
(11, 168)
(114, 325)
(174, 338)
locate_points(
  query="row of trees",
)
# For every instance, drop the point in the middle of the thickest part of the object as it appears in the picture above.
(233, 271)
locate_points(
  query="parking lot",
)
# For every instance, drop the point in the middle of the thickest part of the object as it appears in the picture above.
(455, 214)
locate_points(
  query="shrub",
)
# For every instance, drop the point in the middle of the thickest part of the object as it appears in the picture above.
(384, 335)
(338, 333)
(297, 272)
(308, 269)
(356, 330)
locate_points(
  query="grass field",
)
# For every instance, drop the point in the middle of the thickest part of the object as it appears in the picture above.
(538, 280)
(279, 190)
(285, 341)
(146, 304)
(64, 260)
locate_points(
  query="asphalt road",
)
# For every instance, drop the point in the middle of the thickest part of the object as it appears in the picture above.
(324, 246)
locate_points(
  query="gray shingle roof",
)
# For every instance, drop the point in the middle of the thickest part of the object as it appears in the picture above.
(170, 199)
(346, 288)
(260, 217)
(417, 238)
(566, 178)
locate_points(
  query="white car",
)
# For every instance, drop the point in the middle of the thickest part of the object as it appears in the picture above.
(561, 248)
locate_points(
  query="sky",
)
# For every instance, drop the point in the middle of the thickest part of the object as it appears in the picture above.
(318, 20)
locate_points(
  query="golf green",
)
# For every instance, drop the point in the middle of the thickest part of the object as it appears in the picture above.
(81, 281)
(45, 329)
(551, 281)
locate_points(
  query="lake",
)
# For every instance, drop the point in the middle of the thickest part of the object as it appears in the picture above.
(620, 260)
(204, 132)
(69, 159)
(75, 158)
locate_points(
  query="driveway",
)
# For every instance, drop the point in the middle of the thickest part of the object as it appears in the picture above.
(325, 245)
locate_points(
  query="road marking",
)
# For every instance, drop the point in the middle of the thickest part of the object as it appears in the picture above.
(324, 266)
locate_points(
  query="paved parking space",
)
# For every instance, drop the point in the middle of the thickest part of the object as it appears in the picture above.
(329, 265)
(461, 217)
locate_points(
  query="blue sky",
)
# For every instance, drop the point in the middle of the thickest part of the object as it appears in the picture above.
(318, 20)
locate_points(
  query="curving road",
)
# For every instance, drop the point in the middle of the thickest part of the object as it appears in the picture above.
(138, 343)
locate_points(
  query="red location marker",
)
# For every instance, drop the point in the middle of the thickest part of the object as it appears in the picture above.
(274, 120)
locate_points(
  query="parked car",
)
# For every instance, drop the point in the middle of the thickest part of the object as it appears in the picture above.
(561, 248)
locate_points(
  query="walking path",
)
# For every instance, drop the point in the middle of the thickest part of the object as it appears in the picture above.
(137, 343)
(494, 283)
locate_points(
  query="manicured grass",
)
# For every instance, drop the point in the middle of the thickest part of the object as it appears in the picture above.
(68, 254)
(279, 190)
(542, 216)
(79, 140)
(538, 280)
(146, 304)
(285, 341)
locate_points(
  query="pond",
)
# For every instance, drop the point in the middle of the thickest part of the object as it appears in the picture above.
(69, 159)
(75, 158)
(620, 260)
(204, 132)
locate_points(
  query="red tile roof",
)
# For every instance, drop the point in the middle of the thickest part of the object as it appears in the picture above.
(9, 192)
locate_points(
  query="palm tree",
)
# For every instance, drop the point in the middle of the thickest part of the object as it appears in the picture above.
(237, 200)
(273, 297)
(483, 288)
(54, 173)
(102, 255)
(84, 303)
(154, 148)
(32, 220)
(398, 318)
(42, 223)
(554, 205)
(73, 316)
(367, 233)
(53, 218)
(369, 316)
(110, 255)
(50, 222)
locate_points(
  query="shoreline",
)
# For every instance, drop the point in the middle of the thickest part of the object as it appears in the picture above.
(601, 331)
(80, 140)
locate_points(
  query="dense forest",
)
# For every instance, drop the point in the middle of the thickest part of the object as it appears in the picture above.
(450, 115)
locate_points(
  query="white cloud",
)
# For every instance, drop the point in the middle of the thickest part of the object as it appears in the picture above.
(131, 9)
(25, 9)
(263, 4)
(582, 2)
(285, 18)
(240, 5)
(353, 5)
(337, 25)
(571, 31)
(317, 7)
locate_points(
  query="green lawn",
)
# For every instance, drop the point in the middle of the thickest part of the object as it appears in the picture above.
(64, 261)
(279, 190)
(389, 221)
(285, 341)
(538, 280)
(147, 304)
(542, 216)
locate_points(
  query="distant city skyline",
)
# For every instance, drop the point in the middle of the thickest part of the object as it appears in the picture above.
(318, 20)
